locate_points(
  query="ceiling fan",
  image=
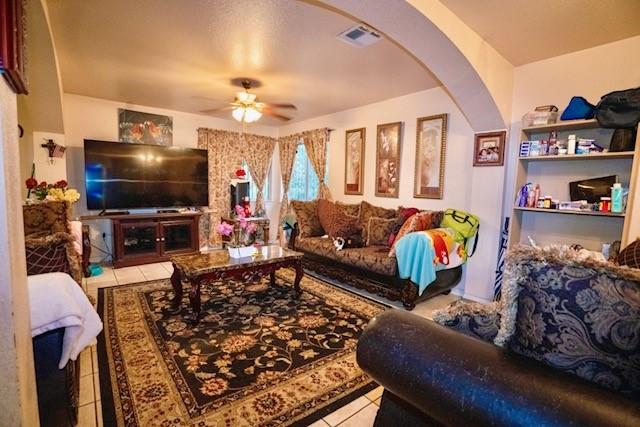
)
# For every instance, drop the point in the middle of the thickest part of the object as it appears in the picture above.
(247, 109)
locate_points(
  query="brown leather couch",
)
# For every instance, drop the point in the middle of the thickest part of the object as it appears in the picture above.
(560, 349)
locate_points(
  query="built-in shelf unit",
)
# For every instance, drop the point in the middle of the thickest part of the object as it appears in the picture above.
(589, 228)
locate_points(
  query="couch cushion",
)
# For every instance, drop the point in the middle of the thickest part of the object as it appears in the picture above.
(349, 209)
(335, 222)
(308, 219)
(379, 230)
(424, 220)
(630, 256)
(576, 314)
(367, 210)
(371, 258)
(50, 217)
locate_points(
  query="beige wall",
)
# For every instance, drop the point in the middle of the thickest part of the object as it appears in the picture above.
(590, 73)
(18, 404)
(459, 172)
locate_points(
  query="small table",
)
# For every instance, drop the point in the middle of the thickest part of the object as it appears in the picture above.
(262, 222)
(216, 265)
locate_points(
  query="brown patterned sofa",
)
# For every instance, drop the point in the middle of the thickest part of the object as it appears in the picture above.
(48, 240)
(369, 267)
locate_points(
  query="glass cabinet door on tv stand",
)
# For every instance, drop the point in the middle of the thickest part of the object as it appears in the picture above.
(177, 236)
(140, 239)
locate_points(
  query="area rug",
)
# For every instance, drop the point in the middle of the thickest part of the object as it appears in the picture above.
(258, 357)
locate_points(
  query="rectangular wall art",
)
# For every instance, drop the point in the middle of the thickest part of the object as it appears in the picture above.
(388, 150)
(354, 161)
(431, 139)
(489, 149)
(144, 128)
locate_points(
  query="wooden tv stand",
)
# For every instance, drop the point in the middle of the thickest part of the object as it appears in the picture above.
(154, 237)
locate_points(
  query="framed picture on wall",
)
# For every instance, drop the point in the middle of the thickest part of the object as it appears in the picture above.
(354, 140)
(489, 148)
(431, 141)
(12, 44)
(144, 128)
(388, 150)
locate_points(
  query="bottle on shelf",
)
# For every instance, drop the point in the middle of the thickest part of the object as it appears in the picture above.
(571, 144)
(616, 198)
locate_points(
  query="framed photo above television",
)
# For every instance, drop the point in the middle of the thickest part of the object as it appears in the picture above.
(144, 128)
(129, 176)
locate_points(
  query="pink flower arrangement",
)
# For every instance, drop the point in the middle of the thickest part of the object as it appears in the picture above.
(246, 228)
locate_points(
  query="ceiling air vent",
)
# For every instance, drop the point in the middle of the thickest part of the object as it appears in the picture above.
(359, 36)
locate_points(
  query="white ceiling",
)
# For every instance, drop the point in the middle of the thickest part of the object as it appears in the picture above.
(172, 54)
(525, 31)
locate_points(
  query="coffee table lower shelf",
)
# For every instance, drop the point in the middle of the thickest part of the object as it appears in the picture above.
(247, 272)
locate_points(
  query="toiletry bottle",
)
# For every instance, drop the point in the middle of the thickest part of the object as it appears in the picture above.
(616, 198)
(536, 195)
(571, 144)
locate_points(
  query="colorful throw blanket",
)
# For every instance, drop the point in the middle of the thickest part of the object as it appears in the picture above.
(422, 253)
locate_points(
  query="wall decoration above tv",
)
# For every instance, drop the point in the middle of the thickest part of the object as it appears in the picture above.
(144, 128)
(128, 176)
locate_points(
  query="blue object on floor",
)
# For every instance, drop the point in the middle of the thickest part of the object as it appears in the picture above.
(95, 269)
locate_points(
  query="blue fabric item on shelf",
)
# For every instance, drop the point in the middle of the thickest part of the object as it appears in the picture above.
(578, 108)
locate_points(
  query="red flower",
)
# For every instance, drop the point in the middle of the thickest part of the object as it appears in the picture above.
(31, 183)
(61, 184)
(240, 173)
(43, 184)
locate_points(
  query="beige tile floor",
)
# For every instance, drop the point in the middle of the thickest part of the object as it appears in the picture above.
(358, 413)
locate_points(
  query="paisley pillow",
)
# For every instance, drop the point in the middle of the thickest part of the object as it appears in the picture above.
(308, 219)
(424, 220)
(577, 315)
(349, 209)
(367, 210)
(380, 229)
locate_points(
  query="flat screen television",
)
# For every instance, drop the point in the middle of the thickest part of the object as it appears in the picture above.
(120, 175)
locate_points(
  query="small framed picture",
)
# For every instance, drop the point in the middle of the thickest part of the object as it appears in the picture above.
(431, 142)
(489, 149)
(388, 150)
(354, 141)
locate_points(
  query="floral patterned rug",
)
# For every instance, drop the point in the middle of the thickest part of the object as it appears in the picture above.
(258, 357)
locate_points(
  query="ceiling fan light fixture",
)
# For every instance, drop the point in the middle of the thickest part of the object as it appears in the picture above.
(251, 115)
(246, 114)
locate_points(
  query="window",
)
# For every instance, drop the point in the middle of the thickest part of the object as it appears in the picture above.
(304, 183)
(253, 188)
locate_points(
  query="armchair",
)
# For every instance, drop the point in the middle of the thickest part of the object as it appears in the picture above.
(49, 244)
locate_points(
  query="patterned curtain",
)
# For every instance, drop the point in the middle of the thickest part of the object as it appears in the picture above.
(287, 147)
(315, 141)
(225, 152)
(258, 157)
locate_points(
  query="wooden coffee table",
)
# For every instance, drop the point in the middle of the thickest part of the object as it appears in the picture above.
(204, 268)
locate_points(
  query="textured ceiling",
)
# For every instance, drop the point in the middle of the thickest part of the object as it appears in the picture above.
(174, 54)
(525, 31)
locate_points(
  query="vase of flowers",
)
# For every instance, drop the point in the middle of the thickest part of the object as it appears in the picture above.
(242, 236)
(43, 191)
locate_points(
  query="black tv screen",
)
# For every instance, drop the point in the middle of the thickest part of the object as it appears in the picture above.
(120, 175)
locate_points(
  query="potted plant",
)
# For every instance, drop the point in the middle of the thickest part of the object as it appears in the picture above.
(241, 237)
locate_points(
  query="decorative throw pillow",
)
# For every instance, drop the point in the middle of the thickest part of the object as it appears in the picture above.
(50, 216)
(349, 209)
(630, 256)
(421, 221)
(308, 219)
(580, 316)
(406, 213)
(335, 222)
(471, 318)
(379, 230)
(367, 210)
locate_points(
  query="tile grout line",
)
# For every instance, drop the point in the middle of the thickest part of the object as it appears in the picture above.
(352, 415)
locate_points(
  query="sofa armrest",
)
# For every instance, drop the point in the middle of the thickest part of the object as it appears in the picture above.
(471, 318)
(52, 253)
(458, 380)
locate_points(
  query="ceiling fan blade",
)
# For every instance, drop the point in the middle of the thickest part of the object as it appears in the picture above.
(216, 110)
(287, 106)
(276, 115)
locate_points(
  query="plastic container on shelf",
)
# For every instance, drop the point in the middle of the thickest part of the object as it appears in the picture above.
(539, 118)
